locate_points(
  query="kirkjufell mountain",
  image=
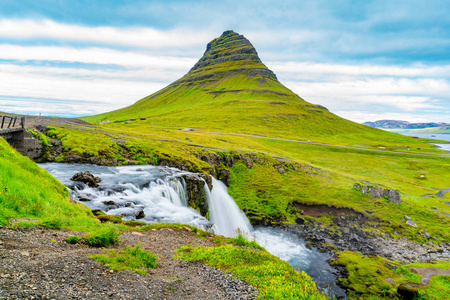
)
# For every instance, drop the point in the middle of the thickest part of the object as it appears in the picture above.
(230, 90)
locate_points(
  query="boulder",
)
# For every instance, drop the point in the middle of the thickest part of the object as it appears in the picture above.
(407, 218)
(411, 223)
(300, 220)
(394, 196)
(87, 178)
(109, 202)
(139, 214)
(378, 192)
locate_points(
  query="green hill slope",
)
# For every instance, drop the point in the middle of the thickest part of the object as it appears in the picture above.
(230, 90)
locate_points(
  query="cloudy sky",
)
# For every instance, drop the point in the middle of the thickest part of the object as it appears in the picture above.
(364, 60)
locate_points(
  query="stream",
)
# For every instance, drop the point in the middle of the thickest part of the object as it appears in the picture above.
(158, 194)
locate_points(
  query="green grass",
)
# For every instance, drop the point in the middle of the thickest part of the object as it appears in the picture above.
(27, 191)
(274, 278)
(373, 277)
(128, 258)
(241, 240)
(104, 237)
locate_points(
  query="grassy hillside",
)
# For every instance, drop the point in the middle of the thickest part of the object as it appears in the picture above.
(27, 191)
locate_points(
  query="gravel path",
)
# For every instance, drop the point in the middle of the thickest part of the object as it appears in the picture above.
(36, 263)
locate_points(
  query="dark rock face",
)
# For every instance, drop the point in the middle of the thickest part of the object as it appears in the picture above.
(196, 194)
(87, 178)
(300, 220)
(406, 293)
(392, 194)
(230, 46)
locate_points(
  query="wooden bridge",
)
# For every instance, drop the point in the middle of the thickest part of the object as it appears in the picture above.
(10, 124)
(12, 129)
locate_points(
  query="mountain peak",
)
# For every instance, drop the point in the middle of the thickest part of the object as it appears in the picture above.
(225, 56)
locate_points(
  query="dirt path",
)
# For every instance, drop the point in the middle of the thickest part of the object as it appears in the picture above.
(37, 264)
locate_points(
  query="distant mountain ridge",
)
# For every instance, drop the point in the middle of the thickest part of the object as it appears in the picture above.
(396, 124)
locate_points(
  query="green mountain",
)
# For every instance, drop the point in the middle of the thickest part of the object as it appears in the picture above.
(230, 90)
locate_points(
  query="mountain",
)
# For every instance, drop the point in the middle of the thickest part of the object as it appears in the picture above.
(230, 90)
(394, 124)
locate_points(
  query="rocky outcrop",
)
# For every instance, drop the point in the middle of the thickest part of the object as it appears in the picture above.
(87, 178)
(196, 194)
(377, 192)
(229, 47)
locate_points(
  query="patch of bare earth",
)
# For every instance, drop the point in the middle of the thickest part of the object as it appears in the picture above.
(37, 263)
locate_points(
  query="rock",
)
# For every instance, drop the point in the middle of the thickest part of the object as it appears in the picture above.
(411, 223)
(281, 170)
(73, 159)
(407, 218)
(378, 192)
(224, 176)
(394, 196)
(139, 170)
(109, 202)
(139, 214)
(425, 234)
(406, 293)
(196, 194)
(248, 161)
(300, 220)
(87, 178)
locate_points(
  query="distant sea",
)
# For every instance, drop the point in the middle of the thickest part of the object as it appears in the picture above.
(434, 136)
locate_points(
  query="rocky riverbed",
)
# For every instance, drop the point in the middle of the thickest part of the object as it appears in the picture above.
(37, 263)
(346, 233)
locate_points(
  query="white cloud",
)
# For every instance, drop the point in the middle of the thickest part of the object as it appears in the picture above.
(102, 94)
(294, 69)
(94, 56)
(140, 37)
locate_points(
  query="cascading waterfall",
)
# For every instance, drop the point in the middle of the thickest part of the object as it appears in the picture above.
(224, 214)
(158, 194)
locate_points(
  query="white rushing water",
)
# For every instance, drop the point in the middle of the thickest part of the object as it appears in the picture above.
(160, 193)
(224, 213)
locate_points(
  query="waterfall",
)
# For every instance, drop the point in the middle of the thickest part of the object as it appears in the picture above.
(160, 193)
(225, 215)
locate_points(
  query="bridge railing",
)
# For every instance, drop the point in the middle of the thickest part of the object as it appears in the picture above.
(11, 122)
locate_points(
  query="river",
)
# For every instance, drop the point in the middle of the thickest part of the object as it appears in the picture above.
(433, 136)
(158, 194)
